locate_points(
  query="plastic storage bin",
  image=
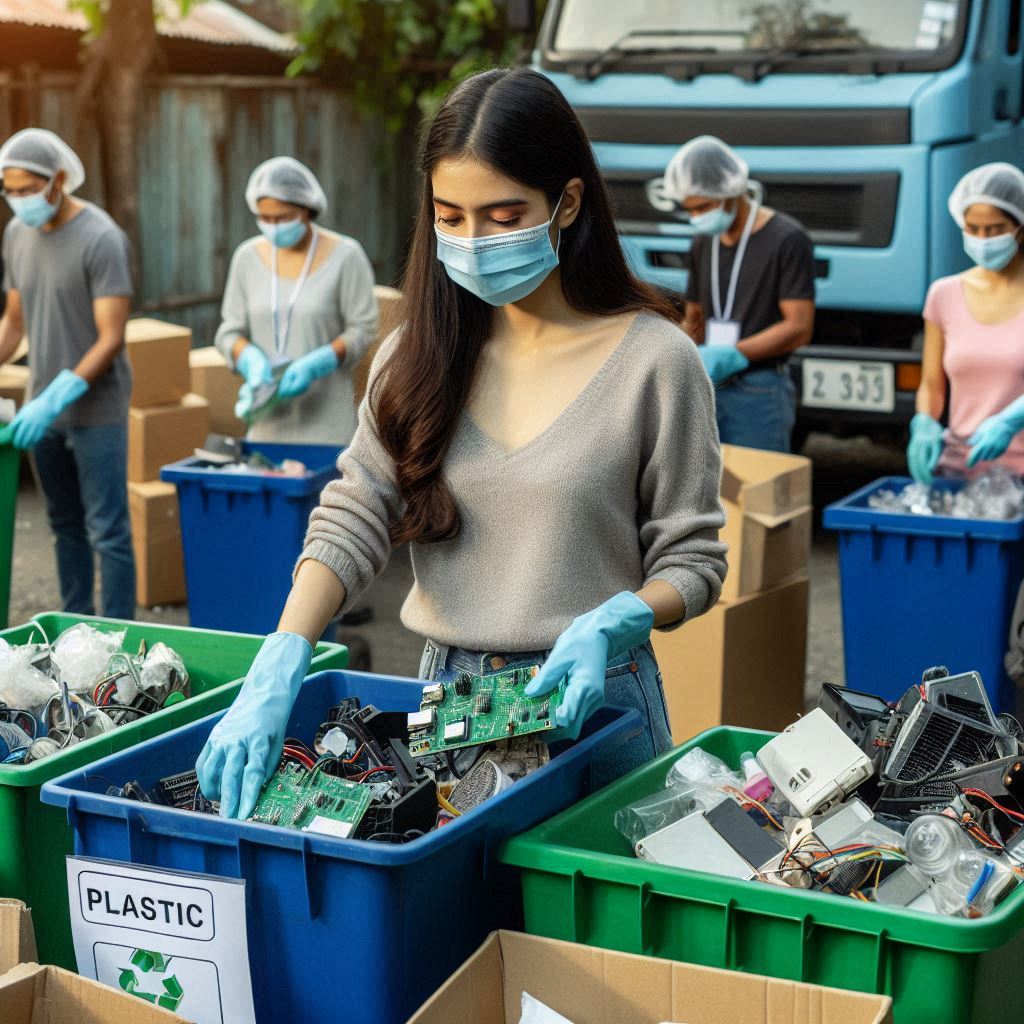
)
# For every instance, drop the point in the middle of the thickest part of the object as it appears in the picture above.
(925, 590)
(10, 461)
(242, 534)
(34, 839)
(581, 883)
(339, 928)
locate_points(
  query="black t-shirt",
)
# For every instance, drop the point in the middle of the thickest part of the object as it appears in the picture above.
(778, 265)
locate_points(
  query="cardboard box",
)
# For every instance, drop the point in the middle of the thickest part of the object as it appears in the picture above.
(764, 550)
(389, 302)
(158, 353)
(13, 383)
(156, 538)
(743, 663)
(597, 986)
(30, 994)
(765, 483)
(214, 380)
(165, 434)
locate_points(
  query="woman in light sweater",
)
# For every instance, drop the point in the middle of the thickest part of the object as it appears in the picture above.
(538, 431)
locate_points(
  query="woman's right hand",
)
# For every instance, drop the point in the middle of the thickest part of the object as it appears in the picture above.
(245, 746)
(254, 366)
(925, 448)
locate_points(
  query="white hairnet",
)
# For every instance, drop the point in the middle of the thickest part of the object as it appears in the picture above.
(42, 153)
(706, 166)
(999, 185)
(285, 179)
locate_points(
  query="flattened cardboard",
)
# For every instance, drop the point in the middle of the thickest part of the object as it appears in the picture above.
(31, 994)
(17, 938)
(165, 434)
(595, 986)
(214, 380)
(389, 304)
(765, 483)
(158, 353)
(13, 383)
(743, 663)
(764, 550)
(156, 539)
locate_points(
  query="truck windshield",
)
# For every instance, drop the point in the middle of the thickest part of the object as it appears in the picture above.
(799, 30)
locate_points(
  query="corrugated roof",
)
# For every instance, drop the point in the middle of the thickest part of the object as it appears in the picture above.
(210, 22)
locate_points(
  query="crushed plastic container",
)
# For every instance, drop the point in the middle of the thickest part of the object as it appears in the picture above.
(339, 928)
(923, 590)
(242, 533)
(35, 839)
(10, 461)
(582, 883)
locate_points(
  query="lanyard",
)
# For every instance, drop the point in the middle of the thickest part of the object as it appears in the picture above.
(734, 277)
(281, 339)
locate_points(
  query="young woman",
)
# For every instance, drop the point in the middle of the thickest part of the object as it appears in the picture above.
(974, 337)
(298, 306)
(538, 431)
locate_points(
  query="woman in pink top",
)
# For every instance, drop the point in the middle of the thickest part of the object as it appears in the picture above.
(974, 337)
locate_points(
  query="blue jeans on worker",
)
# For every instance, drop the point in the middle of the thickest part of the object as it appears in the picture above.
(83, 472)
(757, 408)
(633, 681)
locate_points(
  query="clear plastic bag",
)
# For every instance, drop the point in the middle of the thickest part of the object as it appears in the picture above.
(639, 820)
(163, 672)
(81, 654)
(23, 686)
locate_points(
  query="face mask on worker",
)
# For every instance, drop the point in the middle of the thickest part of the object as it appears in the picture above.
(991, 253)
(284, 234)
(713, 222)
(501, 268)
(34, 210)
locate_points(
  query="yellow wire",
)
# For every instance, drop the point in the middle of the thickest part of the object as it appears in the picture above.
(448, 806)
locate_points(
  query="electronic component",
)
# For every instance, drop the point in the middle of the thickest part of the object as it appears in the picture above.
(692, 842)
(962, 695)
(422, 719)
(484, 780)
(312, 801)
(905, 887)
(461, 720)
(742, 833)
(433, 694)
(814, 763)
(860, 715)
(178, 790)
(838, 824)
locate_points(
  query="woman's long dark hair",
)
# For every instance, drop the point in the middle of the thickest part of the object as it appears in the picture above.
(517, 122)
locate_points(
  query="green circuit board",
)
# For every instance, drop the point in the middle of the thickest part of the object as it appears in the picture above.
(479, 709)
(312, 801)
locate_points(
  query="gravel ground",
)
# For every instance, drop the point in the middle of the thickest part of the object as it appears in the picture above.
(839, 468)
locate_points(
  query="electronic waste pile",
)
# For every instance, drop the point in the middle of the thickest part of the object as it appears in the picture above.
(917, 804)
(391, 776)
(83, 685)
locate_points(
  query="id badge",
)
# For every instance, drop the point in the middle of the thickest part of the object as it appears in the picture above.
(723, 332)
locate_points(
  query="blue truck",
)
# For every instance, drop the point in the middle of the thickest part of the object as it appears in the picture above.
(858, 116)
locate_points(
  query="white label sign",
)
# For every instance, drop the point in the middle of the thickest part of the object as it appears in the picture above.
(173, 938)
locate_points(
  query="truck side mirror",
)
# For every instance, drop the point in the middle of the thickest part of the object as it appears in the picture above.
(521, 16)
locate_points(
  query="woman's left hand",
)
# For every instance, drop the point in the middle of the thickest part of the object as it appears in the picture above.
(300, 374)
(581, 655)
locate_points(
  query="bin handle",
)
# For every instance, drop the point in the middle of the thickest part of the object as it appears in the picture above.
(233, 482)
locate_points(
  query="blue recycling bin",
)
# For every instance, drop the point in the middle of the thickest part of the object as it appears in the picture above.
(925, 590)
(242, 532)
(339, 929)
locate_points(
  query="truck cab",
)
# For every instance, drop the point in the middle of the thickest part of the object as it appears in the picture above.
(857, 116)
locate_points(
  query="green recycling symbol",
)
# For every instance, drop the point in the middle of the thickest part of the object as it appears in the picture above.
(149, 962)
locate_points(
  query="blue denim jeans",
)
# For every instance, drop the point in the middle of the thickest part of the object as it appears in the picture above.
(83, 472)
(757, 409)
(633, 681)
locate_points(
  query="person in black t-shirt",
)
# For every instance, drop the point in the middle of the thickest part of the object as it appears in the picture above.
(750, 297)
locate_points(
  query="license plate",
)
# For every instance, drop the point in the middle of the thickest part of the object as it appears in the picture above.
(840, 384)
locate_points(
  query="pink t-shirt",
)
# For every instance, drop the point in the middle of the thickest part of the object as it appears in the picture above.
(984, 364)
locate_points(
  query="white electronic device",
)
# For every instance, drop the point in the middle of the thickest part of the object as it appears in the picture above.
(693, 843)
(814, 764)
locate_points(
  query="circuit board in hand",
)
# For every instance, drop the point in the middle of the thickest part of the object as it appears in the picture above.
(312, 801)
(479, 709)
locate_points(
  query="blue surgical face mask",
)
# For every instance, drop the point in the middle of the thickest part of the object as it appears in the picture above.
(500, 268)
(284, 234)
(34, 210)
(991, 253)
(714, 222)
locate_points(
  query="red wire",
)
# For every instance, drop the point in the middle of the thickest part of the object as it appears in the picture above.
(373, 771)
(299, 755)
(994, 803)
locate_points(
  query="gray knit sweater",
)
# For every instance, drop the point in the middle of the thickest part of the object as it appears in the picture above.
(620, 490)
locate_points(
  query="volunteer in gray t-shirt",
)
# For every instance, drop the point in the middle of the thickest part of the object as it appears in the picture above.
(67, 276)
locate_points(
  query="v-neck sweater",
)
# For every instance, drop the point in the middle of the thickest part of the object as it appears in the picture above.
(620, 490)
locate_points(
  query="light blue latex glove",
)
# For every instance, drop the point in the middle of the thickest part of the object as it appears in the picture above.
(245, 746)
(722, 361)
(36, 417)
(993, 437)
(295, 381)
(254, 366)
(582, 653)
(925, 447)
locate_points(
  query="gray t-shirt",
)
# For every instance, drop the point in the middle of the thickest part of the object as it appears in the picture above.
(58, 275)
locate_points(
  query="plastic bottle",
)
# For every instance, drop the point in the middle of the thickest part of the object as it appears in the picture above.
(758, 785)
